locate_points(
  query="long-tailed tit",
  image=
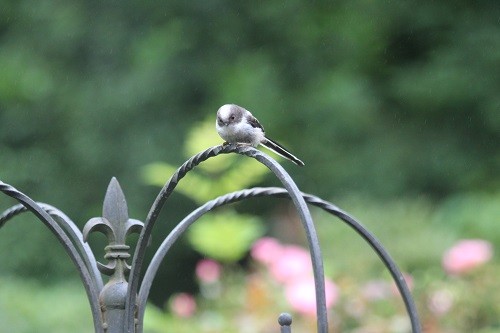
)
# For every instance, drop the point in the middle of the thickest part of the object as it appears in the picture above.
(237, 125)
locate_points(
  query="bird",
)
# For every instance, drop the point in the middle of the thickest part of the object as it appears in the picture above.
(236, 124)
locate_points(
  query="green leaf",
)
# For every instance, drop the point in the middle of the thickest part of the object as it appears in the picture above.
(225, 236)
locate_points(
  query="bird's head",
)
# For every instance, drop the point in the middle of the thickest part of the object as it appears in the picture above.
(229, 114)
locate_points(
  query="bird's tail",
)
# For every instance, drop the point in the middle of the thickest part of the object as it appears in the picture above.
(282, 151)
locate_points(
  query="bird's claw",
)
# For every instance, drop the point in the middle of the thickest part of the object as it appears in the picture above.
(237, 144)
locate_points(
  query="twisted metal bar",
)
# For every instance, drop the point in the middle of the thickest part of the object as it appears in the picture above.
(280, 193)
(43, 216)
(10, 213)
(288, 183)
(143, 240)
(71, 230)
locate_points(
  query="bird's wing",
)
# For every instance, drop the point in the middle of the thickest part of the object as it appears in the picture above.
(254, 122)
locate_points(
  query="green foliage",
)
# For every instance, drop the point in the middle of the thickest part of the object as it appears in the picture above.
(471, 214)
(403, 226)
(399, 87)
(416, 231)
(384, 101)
(225, 236)
(28, 307)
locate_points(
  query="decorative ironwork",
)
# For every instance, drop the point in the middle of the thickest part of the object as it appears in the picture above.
(119, 305)
(285, 321)
(116, 225)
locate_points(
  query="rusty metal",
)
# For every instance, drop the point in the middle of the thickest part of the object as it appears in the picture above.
(119, 305)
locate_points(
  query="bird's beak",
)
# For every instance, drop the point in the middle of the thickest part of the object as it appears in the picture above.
(221, 122)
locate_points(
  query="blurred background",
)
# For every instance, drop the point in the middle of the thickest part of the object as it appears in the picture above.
(394, 107)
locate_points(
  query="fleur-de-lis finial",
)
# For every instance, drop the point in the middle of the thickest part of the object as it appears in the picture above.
(116, 225)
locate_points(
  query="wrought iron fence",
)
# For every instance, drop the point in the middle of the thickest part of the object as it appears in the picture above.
(118, 306)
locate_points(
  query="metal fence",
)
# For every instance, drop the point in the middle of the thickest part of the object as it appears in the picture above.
(119, 305)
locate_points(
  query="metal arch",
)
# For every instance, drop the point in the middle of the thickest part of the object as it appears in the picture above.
(291, 187)
(42, 215)
(142, 242)
(377, 246)
(280, 193)
(172, 237)
(308, 224)
(71, 230)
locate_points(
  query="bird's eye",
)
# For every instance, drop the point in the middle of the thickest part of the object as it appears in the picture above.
(231, 118)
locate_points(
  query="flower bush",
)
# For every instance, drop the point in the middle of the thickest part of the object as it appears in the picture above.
(453, 280)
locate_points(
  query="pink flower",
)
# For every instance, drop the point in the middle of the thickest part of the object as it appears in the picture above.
(294, 262)
(291, 265)
(208, 271)
(183, 305)
(266, 250)
(440, 302)
(301, 295)
(466, 255)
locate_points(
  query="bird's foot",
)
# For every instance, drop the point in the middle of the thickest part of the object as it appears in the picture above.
(237, 144)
